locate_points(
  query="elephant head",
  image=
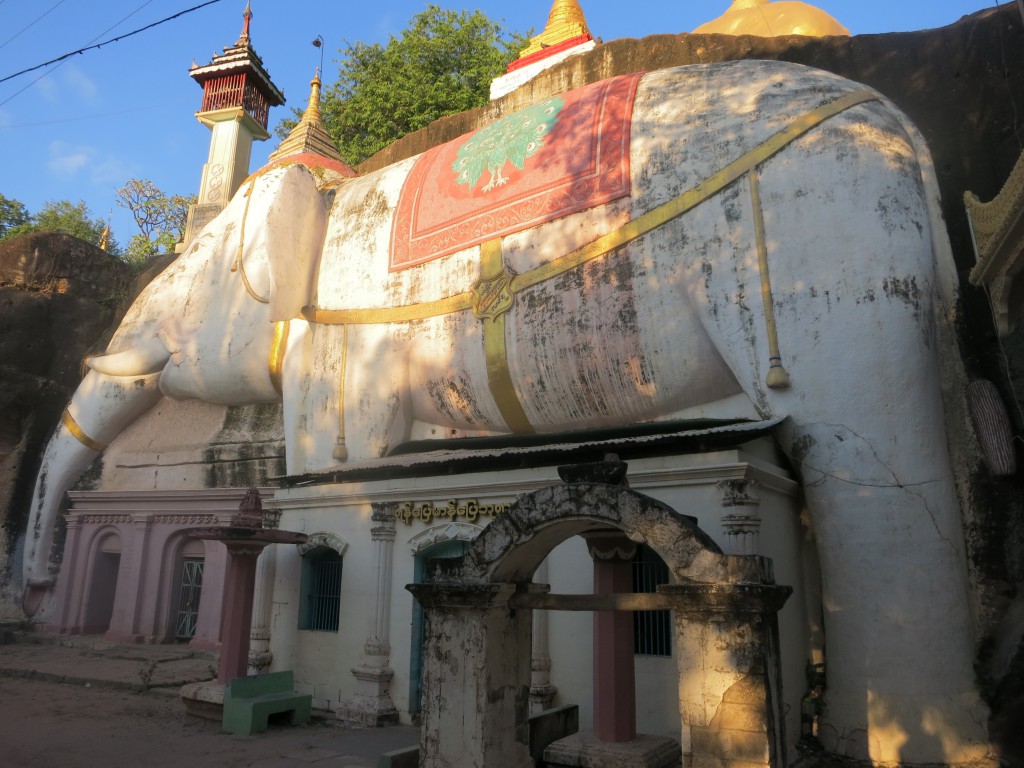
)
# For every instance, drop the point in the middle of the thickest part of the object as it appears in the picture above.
(212, 326)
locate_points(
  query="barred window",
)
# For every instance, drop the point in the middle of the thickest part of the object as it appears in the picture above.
(652, 630)
(320, 604)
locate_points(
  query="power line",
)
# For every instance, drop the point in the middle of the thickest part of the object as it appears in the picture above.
(107, 42)
(31, 24)
(61, 64)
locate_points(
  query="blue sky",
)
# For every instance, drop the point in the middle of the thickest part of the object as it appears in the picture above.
(128, 109)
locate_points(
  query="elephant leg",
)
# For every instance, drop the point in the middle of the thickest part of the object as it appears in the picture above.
(899, 645)
(101, 408)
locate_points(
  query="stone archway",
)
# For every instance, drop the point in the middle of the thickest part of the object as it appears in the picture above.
(478, 621)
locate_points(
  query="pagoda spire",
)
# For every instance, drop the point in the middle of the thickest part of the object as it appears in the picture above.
(310, 135)
(566, 34)
(246, 20)
(565, 22)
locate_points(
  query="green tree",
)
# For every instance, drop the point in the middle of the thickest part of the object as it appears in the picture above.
(442, 63)
(64, 216)
(160, 218)
(13, 214)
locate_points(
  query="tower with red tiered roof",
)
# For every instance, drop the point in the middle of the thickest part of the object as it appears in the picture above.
(237, 96)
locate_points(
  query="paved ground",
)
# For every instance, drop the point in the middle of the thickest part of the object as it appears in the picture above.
(92, 704)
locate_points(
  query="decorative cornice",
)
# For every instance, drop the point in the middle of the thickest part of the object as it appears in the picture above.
(451, 532)
(110, 518)
(323, 539)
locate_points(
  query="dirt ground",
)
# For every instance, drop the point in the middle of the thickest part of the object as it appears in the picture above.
(60, 725)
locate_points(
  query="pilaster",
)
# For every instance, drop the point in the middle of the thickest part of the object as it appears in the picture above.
(372, 704)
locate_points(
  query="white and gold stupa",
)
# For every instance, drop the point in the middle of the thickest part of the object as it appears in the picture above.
(565, 34)
(764, 18)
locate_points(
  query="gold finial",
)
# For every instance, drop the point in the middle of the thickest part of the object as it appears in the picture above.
(764, 18)
(246, 18)
(309, 135)
(565, 22)
(105, 238)
(313, 108)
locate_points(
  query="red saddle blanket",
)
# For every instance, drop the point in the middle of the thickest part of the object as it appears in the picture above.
(565, 154)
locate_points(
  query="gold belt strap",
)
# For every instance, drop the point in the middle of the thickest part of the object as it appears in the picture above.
(778, 377)
(499, 377)
(79, 435)
(278, 346)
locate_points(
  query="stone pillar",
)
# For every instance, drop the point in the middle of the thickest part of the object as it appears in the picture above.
(542, 692)
(614, 675)
(743, 524)
(372, 704)
(130, 581)
(476, 684)
(236, 613)
(727, 652)
(260, 656)
(70, 612)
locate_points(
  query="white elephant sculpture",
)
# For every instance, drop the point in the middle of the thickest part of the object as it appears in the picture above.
(756, 237)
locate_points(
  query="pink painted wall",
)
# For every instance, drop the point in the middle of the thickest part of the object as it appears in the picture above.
(141, 535)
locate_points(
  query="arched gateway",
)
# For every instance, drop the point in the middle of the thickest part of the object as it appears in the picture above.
(478, 623)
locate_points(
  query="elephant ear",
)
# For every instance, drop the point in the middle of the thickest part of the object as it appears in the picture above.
(293, 224)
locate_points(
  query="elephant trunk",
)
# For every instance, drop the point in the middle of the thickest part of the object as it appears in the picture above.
(101, 408)
(148, 356)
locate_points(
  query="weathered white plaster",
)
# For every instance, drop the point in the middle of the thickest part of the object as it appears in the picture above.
(511, 80)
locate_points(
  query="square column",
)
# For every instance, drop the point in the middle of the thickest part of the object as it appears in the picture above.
(614, 671)
(727, 641)
(236, 614)
(476, 677)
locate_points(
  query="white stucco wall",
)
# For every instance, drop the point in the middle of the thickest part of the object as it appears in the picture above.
(322, 661)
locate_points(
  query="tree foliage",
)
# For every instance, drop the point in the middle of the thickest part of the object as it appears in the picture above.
(13, 214)
(160, 218)
(442, 63)
(62, 216)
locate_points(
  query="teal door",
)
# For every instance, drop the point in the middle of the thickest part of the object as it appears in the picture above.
(442, 549)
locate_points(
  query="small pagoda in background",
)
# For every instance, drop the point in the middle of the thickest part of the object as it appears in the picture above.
(566, 34)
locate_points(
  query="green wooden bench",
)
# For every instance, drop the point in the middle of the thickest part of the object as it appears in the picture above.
(250, 701)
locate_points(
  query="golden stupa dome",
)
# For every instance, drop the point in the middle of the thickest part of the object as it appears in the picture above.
(767, 19)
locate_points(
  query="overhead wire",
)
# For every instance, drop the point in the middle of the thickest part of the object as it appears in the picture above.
(30, 24)
(61, 64)
(105, 42)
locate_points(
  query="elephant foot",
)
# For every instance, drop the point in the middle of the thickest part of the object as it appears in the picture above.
(35, 592)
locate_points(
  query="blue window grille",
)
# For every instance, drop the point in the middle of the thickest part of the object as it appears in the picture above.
(189, 590)
(320, 607)
(652, 630)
